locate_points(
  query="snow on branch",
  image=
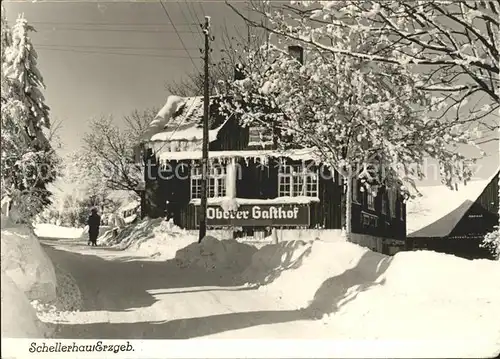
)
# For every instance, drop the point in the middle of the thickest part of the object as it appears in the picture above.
(429, 36)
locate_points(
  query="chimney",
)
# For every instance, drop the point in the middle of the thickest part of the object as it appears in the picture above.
(296, 52)
(239, 72)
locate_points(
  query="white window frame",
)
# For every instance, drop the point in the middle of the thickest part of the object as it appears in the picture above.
(217, 174)
(306, 175)
(262, 137)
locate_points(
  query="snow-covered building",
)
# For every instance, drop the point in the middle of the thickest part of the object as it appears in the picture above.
(454, 222)
(252, 185)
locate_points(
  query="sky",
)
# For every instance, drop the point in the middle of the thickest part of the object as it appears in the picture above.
(101, 58)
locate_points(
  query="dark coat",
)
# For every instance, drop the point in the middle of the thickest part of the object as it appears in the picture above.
(94, 222)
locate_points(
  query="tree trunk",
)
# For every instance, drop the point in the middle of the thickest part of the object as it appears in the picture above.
(348, 205)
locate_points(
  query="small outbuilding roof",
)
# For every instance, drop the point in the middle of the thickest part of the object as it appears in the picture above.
(437, 212)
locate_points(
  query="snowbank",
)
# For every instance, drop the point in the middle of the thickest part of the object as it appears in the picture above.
(153, 238)
(26, 263)
(281, 266)
(428, 294)
(19, 319)
(46, 230)
(269, 261)
(212, 254)
(162, 240)
(69, 297)
(361, 294)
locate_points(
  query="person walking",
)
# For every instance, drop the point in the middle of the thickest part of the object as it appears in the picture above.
(93, 222)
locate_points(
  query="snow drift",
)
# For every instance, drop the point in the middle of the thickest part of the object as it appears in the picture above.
(26, 263)
(213, 254)
(269, 261)
(162, 240)
(19, 319)
(46, 230)
(358, 294)
(366, 295)
(154, 238)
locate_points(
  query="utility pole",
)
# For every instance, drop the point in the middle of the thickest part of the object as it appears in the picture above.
(204, 160)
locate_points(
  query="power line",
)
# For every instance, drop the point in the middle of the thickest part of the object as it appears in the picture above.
(178, 35)
(132, 24)
(99, 1)
(194, 16)
(115, 30)
(196, 27)
(107, 23)
(200, 6)
(116, 53)
(193, 100)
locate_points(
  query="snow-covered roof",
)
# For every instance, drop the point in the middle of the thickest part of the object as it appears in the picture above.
(299, 154)
(439, 209)
(180, 119)
(192, 132)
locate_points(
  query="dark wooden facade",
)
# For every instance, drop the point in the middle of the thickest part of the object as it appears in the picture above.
(465, 238)
(391, 224)
(170, 195)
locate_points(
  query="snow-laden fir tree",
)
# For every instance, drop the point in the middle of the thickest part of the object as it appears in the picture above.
(5, 42)
(369, 120)
(28, 161)
(5, 36)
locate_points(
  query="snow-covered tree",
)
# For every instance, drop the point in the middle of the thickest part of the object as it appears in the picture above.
(28, 161)
(453, 45)
(492, 243)
(110, 150)
(5, 42)
(78, 188)
(367, 119)
(25, 80)
(5, 35)
(92, 187)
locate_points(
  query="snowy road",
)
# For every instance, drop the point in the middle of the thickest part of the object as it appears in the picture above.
(126, 297)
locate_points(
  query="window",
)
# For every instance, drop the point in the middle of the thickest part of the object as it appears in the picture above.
(370, 200)
(260, 136)
(369, 220)
(216, 181)
(297, 180)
